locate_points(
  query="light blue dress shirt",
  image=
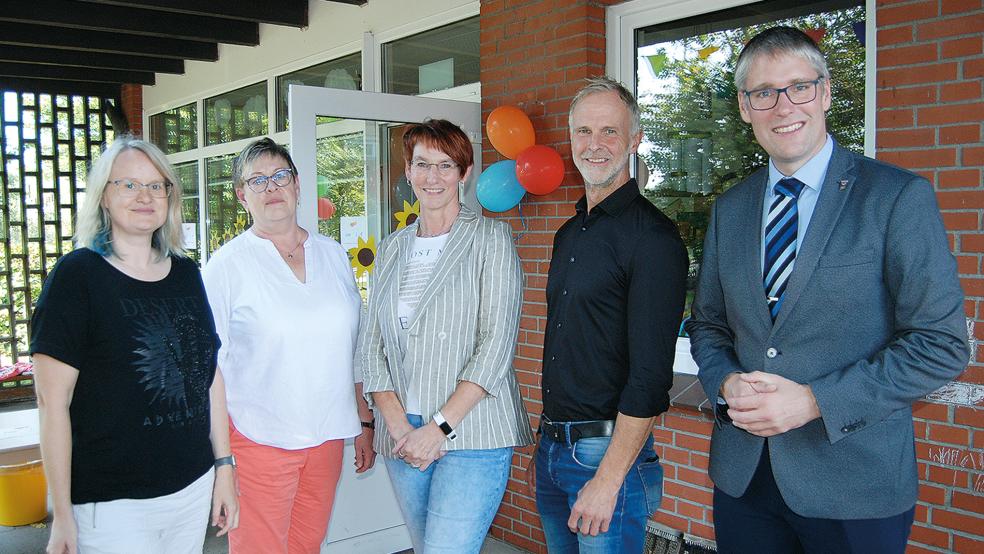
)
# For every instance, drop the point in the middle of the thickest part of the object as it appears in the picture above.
(812, 175)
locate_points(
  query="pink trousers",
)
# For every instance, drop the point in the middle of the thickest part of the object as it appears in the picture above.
(285, 496)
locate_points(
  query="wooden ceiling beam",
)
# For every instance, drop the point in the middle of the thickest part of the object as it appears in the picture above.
(133, 21)
(290, 13)
(23, 34)
(81, 58)
(36, 71)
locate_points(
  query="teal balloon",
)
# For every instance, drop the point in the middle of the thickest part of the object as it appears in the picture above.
(498, 188)
(323, 186)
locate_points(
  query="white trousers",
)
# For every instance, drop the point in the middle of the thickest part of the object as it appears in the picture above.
(174, 523)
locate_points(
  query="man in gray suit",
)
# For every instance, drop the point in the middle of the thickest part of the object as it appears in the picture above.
(827, 302)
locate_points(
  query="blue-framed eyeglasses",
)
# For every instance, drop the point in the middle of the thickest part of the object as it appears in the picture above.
(260, 183)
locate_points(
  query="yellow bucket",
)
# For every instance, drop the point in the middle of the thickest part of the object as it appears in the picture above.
(23, 493)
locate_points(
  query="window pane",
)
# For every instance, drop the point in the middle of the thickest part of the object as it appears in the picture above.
(175, 130)
(343, 73)
(235, 115)
(696, 145)
(188, 181)
(225, 217)
(433, 60)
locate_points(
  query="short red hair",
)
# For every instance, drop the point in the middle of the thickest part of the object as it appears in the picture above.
(440, 134)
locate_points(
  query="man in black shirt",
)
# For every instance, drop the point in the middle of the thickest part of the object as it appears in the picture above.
(615, 297)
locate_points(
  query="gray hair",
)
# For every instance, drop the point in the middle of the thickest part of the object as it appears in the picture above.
(778, 41)
(265, 146)
(607, 84)
(93, 226)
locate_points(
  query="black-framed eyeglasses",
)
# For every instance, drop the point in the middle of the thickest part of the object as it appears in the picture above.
(444, 168)
(260, 183)
(128, 188)
(798, 93)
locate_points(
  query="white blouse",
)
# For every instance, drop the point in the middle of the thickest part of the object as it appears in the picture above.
(287, 347)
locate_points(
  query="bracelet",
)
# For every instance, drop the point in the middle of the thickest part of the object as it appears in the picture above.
(446, 428)
(371, 424)
(226, 461)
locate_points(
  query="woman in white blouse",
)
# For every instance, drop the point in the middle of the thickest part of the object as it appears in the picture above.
(436, 350)
(287, 311)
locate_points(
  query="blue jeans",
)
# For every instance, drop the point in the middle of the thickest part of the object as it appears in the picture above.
(562, 470)
(449, 507)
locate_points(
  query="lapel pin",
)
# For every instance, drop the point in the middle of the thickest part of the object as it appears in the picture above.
(843, 185)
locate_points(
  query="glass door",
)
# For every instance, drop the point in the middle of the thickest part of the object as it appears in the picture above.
(347, 146)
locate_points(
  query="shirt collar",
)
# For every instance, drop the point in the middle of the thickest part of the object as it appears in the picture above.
(813, 171)
(616, 201)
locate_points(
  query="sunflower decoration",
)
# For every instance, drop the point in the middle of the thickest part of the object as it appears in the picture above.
(363, 256)
(408, 215)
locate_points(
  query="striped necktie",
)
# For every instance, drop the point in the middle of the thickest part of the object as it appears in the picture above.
(780, 242)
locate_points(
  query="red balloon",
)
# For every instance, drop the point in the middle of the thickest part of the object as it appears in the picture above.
(510, 131)
(326, 208)
(539, 169)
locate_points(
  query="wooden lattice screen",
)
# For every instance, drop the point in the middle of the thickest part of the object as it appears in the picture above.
(48, 141)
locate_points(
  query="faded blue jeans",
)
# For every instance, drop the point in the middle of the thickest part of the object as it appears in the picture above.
(562, 469)
(449, 507)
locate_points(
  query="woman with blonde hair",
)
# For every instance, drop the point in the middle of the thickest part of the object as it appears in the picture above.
(133, 413)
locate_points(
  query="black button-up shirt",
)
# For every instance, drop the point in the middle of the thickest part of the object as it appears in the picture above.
(615, 297)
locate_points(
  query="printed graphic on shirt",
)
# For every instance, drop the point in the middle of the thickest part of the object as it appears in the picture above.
(421, 260)
(173, 354)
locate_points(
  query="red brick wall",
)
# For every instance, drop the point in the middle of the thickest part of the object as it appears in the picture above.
(131, 101)
(930, 83)
(929, 80)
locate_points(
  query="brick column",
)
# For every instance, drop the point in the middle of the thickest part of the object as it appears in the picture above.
(930, 77)
(131, 102)
(535, 55)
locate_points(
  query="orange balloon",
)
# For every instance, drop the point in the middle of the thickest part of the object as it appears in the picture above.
(510, 131)
(326, 208)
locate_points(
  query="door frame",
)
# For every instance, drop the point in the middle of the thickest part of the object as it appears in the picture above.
(305, 103)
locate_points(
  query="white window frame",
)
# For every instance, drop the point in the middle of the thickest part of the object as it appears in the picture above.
(371, 49)
(621, 22)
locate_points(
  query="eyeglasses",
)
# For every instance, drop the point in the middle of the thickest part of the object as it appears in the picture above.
(260, 183)
(128, 188)
(444, 168)
(798, 93)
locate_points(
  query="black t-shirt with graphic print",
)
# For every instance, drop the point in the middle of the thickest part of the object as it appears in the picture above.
(146, 356)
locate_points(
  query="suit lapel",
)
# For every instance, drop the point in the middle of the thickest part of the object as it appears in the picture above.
(833, 195)
(459, 244)
(749, 241)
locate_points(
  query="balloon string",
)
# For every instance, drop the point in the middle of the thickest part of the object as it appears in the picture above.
(521, 220)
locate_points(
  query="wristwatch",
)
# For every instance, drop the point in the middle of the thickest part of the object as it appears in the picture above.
(229, 460)
(438, 418)
(371, 424)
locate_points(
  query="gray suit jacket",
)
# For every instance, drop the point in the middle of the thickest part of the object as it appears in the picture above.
(872, 320)
(465, 327)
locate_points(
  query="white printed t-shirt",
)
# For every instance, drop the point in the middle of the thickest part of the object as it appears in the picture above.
(423, 256)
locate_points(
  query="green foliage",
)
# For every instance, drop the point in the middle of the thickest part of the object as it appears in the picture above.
(341, 171)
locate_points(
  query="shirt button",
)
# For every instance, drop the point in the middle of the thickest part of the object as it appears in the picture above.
(572, 259)
(552, 358)
(584, 228)
(771, 353)
(565, 292)
(559, 325)
(547, 391)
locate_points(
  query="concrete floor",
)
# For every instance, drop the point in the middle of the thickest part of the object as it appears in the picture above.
(31, 539)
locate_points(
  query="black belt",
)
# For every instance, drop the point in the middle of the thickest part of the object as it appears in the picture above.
(557, 430)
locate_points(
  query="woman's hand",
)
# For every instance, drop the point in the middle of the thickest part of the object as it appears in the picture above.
(225, 500)
(421, 446)
(64, 536)
(365, 456)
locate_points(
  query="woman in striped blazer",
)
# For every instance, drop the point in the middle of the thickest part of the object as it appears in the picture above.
(436, 351)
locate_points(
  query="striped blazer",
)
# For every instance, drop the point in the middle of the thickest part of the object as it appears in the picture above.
(464, 328)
